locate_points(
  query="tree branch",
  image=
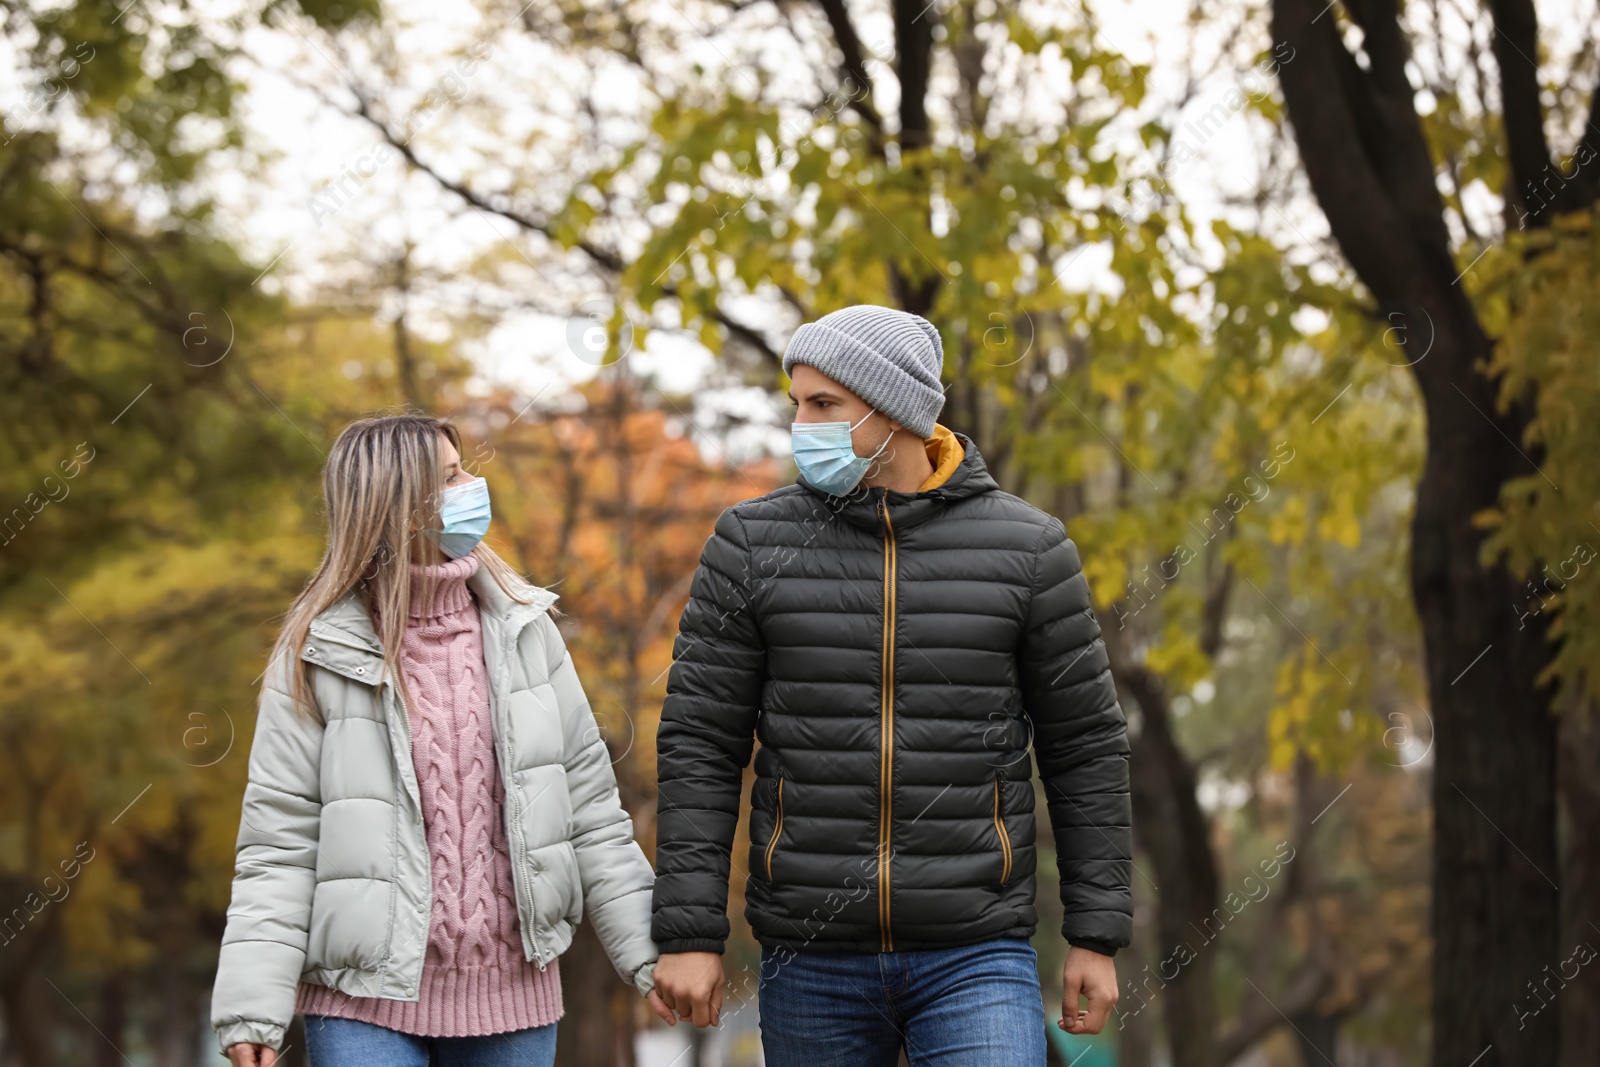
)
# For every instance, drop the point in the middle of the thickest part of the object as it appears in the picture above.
(1364, 151)
(604, 258)
(854, 66)
(1261, 1018)
(1516, 42)
(913, 46)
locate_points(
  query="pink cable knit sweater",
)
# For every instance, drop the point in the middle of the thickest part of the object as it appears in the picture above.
(475, 979)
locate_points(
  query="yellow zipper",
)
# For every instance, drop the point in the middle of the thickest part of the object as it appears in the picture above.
(777, 828)
(1005, 838)
(886, 713)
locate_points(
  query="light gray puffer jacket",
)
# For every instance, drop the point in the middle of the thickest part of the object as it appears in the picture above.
(333, 882)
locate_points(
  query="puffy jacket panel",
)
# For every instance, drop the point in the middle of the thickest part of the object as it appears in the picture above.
(895, 655)
(333, 882)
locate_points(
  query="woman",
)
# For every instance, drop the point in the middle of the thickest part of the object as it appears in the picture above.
(430, 805)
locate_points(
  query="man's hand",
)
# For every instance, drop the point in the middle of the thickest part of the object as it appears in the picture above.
(1095, 977)
(245, 1054)
(691, 985)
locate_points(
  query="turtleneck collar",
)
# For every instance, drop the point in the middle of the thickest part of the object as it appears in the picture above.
(450, 594)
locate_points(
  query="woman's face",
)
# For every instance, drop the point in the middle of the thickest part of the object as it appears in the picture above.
(450, 473)
(450, 462)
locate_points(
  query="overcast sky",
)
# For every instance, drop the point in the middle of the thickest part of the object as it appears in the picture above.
(288, 214)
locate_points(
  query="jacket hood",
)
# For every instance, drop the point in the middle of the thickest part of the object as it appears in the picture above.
(860, 507)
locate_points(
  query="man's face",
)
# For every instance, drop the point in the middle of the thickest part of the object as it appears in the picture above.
(818, 398)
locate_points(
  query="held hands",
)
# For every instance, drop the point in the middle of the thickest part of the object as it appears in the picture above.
(689, 983)
(659, 1006)
(245, 1054)
(1095, 977)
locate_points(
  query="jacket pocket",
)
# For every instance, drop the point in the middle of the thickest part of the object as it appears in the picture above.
(777, 826)
(1000, 832)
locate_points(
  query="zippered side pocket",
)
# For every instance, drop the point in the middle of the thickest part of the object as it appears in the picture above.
(777, 827)
(1000, 831)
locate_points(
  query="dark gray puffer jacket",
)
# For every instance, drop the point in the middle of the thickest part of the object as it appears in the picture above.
(895, 653)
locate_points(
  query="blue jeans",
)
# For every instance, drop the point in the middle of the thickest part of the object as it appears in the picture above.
(335, 1042)
(971, 1006)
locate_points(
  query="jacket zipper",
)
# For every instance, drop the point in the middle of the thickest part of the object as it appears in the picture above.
(514, 623)
(408, 772)
(1005, 838)
(886, 732)
(777, 828)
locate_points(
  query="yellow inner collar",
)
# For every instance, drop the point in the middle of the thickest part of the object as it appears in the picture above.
(944, 452)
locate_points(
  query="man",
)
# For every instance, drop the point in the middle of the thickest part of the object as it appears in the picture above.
(895, 630)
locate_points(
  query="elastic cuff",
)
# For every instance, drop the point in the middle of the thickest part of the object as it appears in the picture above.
(250, 1031)
(690, 944)
(1101, 947)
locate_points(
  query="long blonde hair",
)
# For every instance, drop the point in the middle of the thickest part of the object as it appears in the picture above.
(380, 487)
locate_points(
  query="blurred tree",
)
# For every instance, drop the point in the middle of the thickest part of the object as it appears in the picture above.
(1550, 544)
(136, 566)
(1190, 433)
(1233, 472)
(609, 504)
(1392, 164)
(960, 175)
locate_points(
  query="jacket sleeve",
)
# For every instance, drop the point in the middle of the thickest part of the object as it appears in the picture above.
(1080, 740)
(275, 872)
(612, 868)
(704, 743)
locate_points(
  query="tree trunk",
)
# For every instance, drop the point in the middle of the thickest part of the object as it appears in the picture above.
(598, 1027)
(174, 1031)
(1495, 908)
(1171, 829)
(29, 1024)
(113, 1020)
(1580, 881)
(1317, 1037)
(1135, 1027)
(294, 1045)
(1495, 905)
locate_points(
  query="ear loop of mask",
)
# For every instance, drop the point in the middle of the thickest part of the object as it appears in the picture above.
(886, 440)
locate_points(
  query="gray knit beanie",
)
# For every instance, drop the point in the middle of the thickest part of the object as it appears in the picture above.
(891, 359)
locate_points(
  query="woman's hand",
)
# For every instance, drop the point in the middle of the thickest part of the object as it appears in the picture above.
(690, 984)
(245, 1054)
(659, 1006)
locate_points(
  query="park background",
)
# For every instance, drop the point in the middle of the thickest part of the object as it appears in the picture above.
(1285, 308)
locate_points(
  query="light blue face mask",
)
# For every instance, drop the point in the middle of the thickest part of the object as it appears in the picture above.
(464, 513)
(824, 454)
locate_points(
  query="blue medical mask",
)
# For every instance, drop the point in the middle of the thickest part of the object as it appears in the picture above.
(464, 514)
(824, 454)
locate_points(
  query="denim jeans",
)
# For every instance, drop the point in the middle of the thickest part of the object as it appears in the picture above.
(335, 1042)
(971, 1006)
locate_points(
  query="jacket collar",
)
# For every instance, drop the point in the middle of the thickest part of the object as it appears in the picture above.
(863, 507)
(343, 638)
